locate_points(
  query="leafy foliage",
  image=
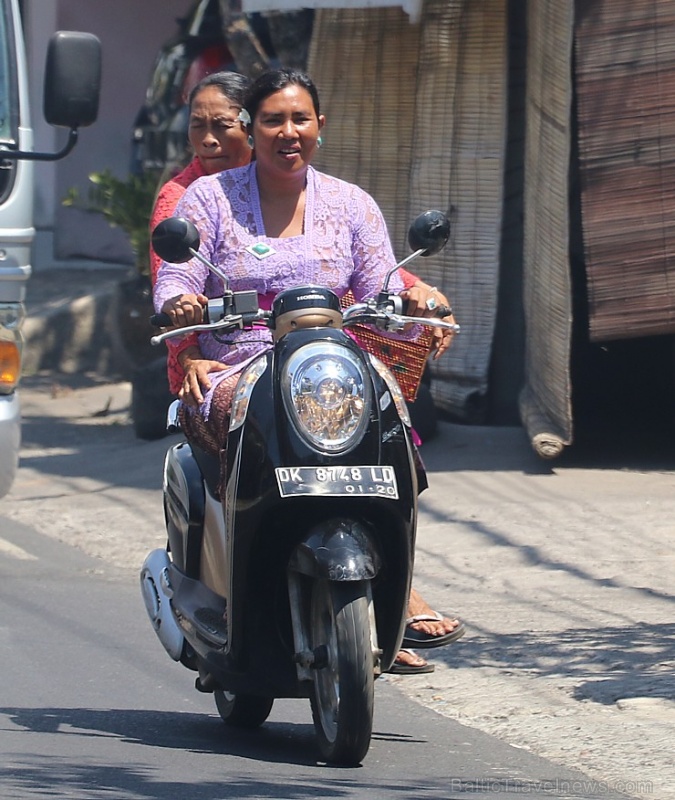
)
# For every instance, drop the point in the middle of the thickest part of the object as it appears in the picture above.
(125, 204)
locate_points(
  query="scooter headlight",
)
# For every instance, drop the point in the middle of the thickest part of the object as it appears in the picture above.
(327, 395)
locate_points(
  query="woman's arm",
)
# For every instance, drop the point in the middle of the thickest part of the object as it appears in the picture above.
(165, 204)
(372, 254)
(200, 205)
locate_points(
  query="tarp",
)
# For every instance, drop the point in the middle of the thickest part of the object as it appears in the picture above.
(625, 78)
(545, 402)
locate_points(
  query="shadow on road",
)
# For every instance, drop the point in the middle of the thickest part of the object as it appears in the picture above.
(607, 663)
(203, 734)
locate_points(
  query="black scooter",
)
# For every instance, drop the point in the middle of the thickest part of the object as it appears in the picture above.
(297, 585)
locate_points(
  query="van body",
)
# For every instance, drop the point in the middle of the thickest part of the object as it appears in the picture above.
(72, 80)
(16, 232)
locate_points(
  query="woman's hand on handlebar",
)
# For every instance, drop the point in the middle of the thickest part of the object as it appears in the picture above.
(196, 380)
(185, 309)
(423, 301)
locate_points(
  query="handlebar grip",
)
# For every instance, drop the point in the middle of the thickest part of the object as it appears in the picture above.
(442, 311)
(161, 320)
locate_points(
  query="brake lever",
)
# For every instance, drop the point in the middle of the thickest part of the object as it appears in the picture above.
(227, 322)
(233, 322)
(402, 320)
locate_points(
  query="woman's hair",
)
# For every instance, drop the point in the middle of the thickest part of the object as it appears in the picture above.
(274, 80)
(231, 84)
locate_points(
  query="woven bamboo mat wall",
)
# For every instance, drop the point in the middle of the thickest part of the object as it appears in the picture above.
(364, 63)
(416, 116)
(625, 79)
(546, 399)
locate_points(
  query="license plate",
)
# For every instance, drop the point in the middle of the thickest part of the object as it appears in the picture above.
(337, 481)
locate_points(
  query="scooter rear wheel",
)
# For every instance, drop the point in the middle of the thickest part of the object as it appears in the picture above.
(343, 697)
(242, 710)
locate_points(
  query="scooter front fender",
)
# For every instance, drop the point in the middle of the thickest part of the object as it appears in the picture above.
(338, 549)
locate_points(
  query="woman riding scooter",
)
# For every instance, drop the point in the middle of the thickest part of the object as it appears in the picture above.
(283, 154)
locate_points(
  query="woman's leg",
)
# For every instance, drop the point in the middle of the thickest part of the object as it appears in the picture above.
(418, 606)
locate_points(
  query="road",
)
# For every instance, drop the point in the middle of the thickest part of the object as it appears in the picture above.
(91, 707)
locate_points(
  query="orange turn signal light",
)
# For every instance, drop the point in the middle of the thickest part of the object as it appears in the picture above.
(10, 365)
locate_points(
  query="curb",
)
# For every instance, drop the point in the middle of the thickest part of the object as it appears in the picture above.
(67, 327)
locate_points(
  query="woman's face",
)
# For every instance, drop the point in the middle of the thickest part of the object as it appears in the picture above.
(217, 137)
(285, 131)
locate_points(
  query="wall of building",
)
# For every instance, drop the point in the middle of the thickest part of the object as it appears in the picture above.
(131, 33)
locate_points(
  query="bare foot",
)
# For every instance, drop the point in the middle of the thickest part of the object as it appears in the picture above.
(417, 605)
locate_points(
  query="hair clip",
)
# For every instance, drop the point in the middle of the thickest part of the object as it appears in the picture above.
(244, 117)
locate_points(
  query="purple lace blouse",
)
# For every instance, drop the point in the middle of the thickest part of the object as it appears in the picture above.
(345, 245)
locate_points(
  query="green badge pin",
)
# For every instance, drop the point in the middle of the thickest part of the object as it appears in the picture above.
(261, 250)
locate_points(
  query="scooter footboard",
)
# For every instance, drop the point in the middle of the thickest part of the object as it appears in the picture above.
(338, 549)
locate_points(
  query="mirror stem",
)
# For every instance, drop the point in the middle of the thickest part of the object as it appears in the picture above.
(385, 286)
(223, 277)
(14, 155)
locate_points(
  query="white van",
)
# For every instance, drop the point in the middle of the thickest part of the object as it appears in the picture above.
(71, 91)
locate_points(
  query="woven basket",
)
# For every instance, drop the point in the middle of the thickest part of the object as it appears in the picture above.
(406, 359)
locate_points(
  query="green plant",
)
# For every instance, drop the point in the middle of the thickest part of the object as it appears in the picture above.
(125, 204)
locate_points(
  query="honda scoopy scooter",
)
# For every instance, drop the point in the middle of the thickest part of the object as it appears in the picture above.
(295, 583)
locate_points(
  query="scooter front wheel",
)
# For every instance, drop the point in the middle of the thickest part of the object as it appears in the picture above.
(242, 710)
(343, 696)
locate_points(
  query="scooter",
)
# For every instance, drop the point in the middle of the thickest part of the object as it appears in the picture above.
(296, 582)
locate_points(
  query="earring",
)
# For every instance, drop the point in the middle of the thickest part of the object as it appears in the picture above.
(250, 142)
(319, 141)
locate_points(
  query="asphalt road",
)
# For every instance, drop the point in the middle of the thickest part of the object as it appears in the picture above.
(92, 708)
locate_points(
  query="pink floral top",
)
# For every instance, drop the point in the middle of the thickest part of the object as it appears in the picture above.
(345, 245)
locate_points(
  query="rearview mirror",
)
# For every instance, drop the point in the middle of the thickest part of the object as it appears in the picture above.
(429, 232)
(175, 240)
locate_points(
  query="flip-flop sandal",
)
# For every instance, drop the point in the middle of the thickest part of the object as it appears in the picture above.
(411, 669)
(413, 638)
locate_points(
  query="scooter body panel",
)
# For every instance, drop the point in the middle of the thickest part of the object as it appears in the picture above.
(184, 502)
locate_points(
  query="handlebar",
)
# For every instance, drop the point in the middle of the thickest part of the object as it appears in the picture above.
(161, 320)
(360, 313)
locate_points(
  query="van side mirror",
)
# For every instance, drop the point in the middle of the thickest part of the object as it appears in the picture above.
(72, 84)
(72, 79)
